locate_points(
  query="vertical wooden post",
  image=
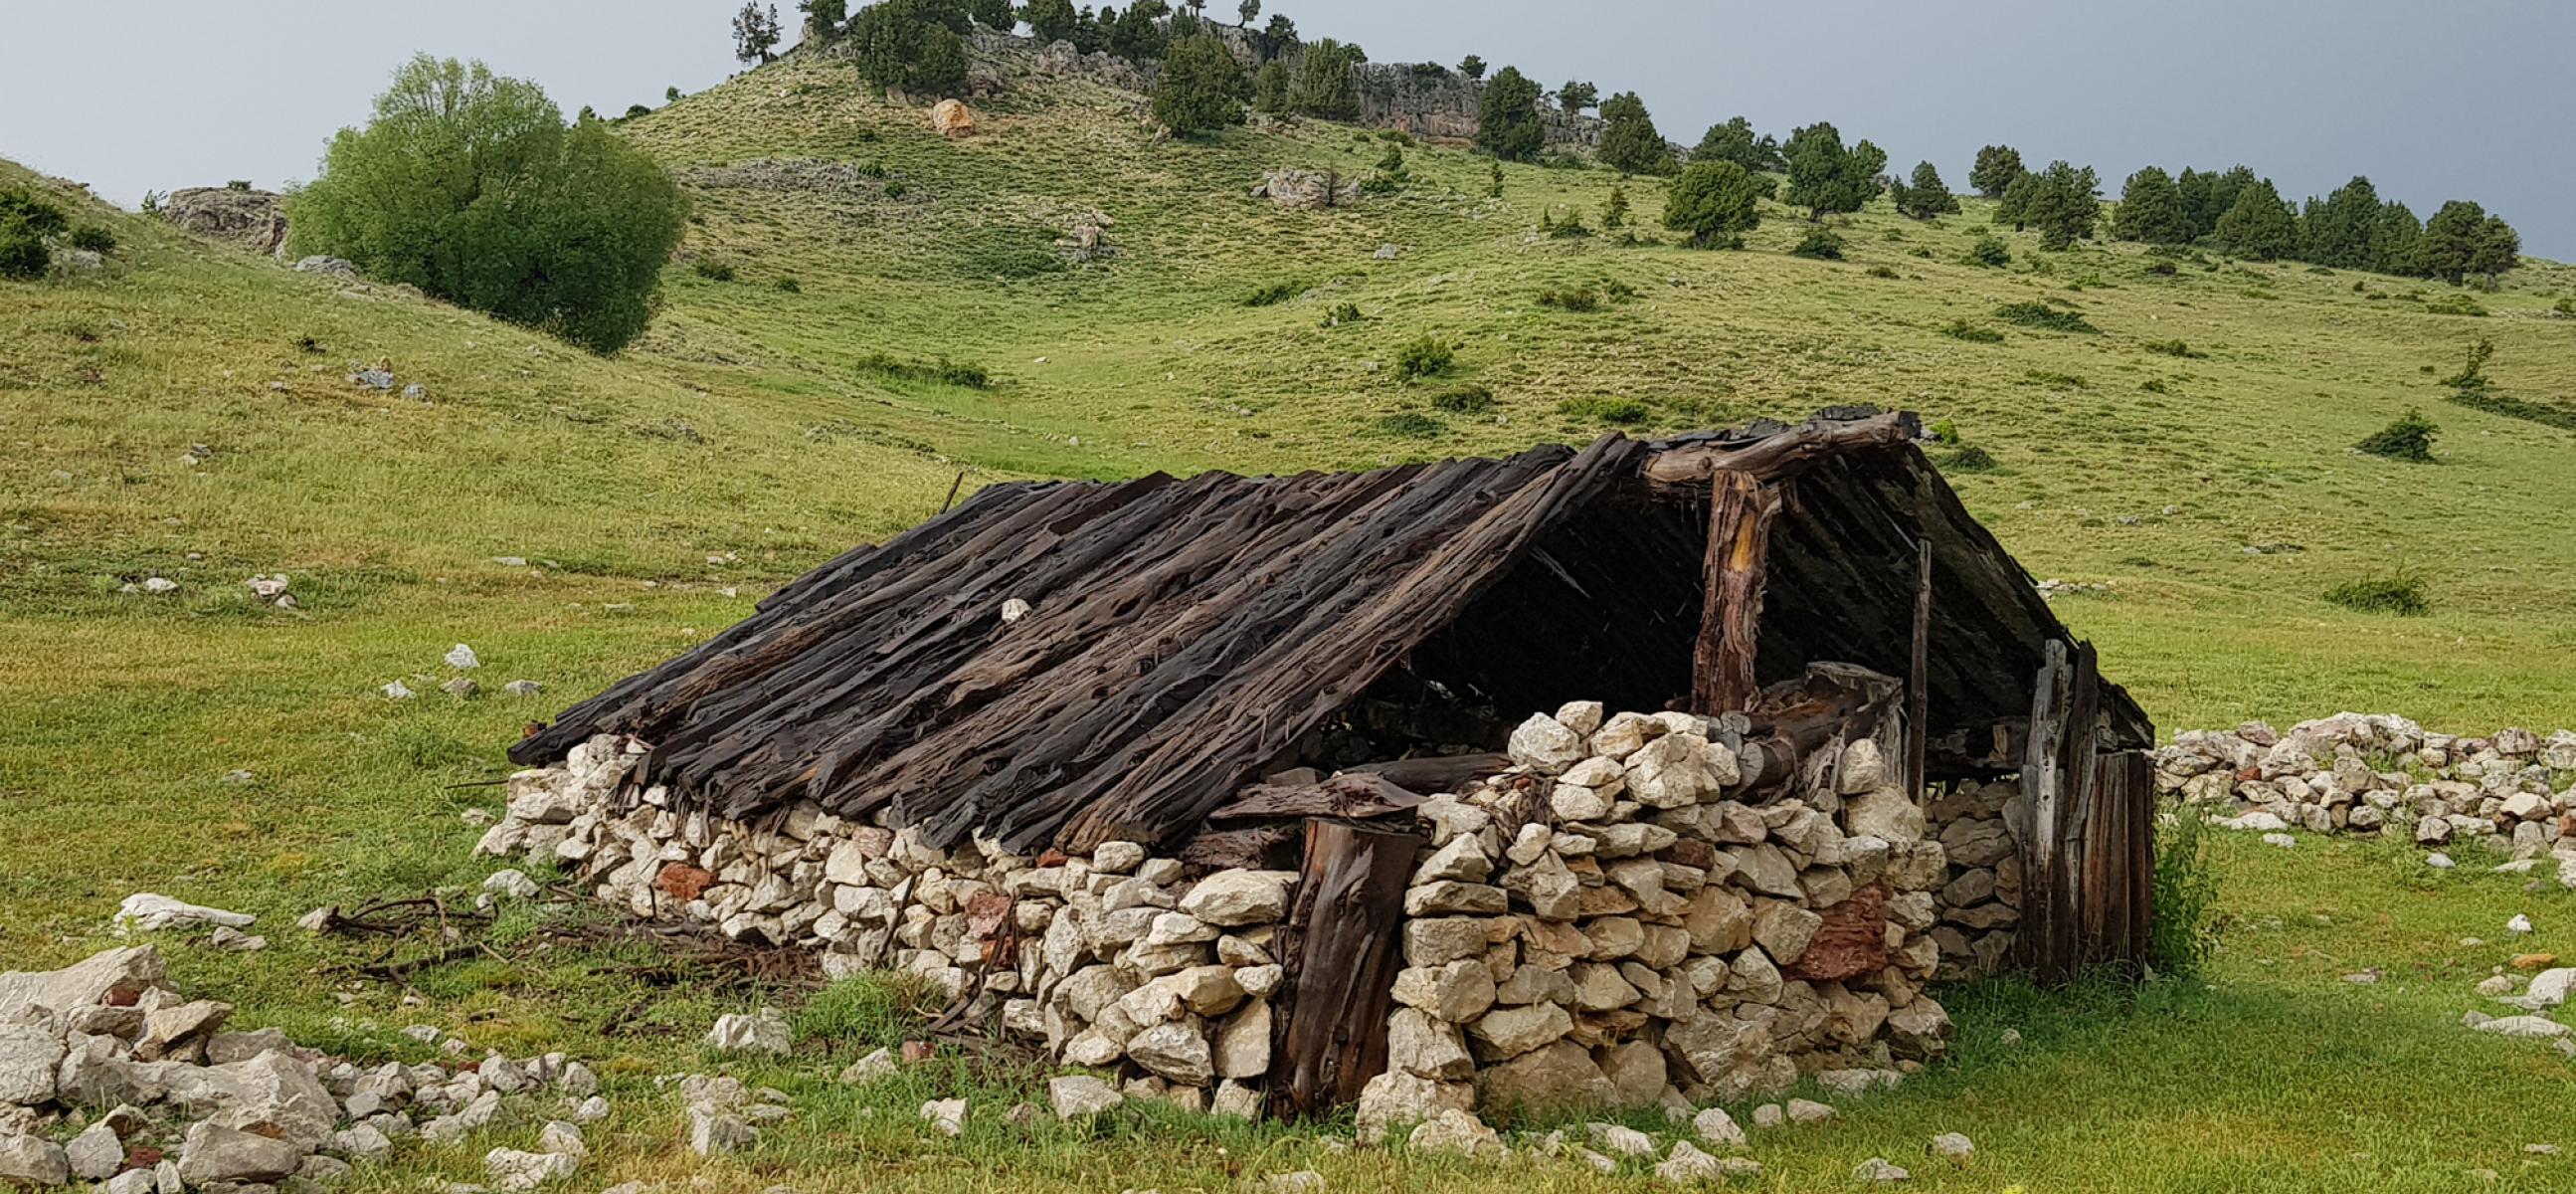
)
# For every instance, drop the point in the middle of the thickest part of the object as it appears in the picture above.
(2057, 779)
(1918, 682)
(1740, 509)
(1341, 946)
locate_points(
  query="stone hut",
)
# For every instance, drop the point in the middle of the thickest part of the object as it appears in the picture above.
(1646, 772)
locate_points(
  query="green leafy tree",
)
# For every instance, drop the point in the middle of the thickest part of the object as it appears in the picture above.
(1246, 13)
(2151, 209)
(1327, 85)
(1614, 210)
(2260, 225)
(823, 17)
(469, 186)
(1051, 20)
(995, 15)
(2013, 206)
(2462, 239)
(1270, 87)
(1277, 37)
(2336, 232)
(1472, 66)
(1926, 195)
(755, 33)
(1734, 141)
(1202, 87)
(1507, 122)
(2397, 241)
(2065, 205)
(1825, 177)
(902, 46)
(1137, 34)
(1574, 97)
(1996, 168)
(1716, 202)
(1629, 142)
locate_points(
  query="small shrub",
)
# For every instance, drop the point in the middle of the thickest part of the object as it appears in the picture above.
(2053, 379)
(1820, 244)
(943, 372)
(1969, 458)
(1945, 433)
(23, 255)
(1881, 271)
(895, 189)
(1343, 313)
(2454, 304)
(1465, 400)
(1961, 329)
(2032, 314)
(93, 238)
(2155, 385)
(25, 222)
(2564, 308)
(2163, 269)
(2172, 348)
(2409, 438)
(1618, 291)
(713, 270)
(2400, 593)
(1275, 293)
(1618, 412)
(238, 184)
(1990, 252)
(2184, 925)
(1408, 424)
(1427, 356)
(1574, 298)
(2472, 374)
(789, 286)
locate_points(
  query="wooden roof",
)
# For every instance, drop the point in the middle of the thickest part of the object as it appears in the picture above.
(1185, 636)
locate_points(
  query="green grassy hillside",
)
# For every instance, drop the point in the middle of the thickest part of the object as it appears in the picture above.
(187, 414)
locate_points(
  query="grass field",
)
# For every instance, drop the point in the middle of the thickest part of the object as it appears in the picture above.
(754, 432)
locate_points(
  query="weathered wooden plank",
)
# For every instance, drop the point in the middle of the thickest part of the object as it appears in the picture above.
(1435, 773)
(1341, 946)
(1780, 454)
(1918, 680)
(1348, 795)
(1739, 534)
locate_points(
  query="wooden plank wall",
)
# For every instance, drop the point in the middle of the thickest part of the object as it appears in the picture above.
(2088, 840)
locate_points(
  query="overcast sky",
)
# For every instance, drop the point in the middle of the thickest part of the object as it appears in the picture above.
(2461, 99)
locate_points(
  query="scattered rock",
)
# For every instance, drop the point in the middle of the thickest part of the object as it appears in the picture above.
(151, 913)
(877, 1066)
(1877, 1169)
(511, 1169)
(1075, 1096)
(761, 1032)
(1952, 1145)
(948, 1116)
(462, 656)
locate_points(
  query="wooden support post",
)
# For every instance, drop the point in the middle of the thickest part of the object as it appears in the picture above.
(1918, 682)
(2057, 778)
(1342, 946)
(1740, 509)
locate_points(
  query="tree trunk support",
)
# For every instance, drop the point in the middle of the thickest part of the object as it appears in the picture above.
(1342, 944)
(1740, 511)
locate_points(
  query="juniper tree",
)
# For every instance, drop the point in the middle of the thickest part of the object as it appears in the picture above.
(1326, 86)
(1629, 142)
(1996, 168)
(1202, 87)
(995, 15)
(1825, 177)
(1716, 202)
(823, 17)
(1246, 13)
(2064, 205)
(902, 45)
(2014, 205)
(1734, 142)
(1472, 66)
(1051, 20)
(2462, 239)
(2259, 225)
(1926, 195)
(2336, 231)
(755, 33)
(2397, 241)
(1507, 123)
(2151, 209)
(1574, 97)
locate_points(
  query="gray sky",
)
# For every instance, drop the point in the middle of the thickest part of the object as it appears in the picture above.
(2464, 99)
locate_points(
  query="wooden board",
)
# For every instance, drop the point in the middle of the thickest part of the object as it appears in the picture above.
(1741, 508)
(1342, 945)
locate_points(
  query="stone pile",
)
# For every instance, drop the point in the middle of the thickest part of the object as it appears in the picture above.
(109, 1075)
(2511, 794)
(1608, 925)
(1116, 961)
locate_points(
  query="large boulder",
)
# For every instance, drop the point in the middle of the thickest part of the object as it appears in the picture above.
(1307, 190)
(272, 1094)
(1559, 1076)
(30, 1054)
(953, 120)
(241, 217)
(214, 1153)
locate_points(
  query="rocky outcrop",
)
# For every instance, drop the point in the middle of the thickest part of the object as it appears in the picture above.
(247, 219)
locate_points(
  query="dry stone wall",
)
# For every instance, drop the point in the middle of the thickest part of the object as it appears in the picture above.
(1606, 923)
(2511, 794)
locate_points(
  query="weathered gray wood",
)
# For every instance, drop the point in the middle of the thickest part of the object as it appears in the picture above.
(1918, 700)
(1730, 630)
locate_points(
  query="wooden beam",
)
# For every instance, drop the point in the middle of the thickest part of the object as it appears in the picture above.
(1918, 698)
(1778, 455)
(2058, 775)
(1735, 567)
(1342, 946)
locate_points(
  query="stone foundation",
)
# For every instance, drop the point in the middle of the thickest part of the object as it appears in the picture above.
(1603, 924)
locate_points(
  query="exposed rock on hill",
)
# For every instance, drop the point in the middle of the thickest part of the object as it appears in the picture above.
(253, 220)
